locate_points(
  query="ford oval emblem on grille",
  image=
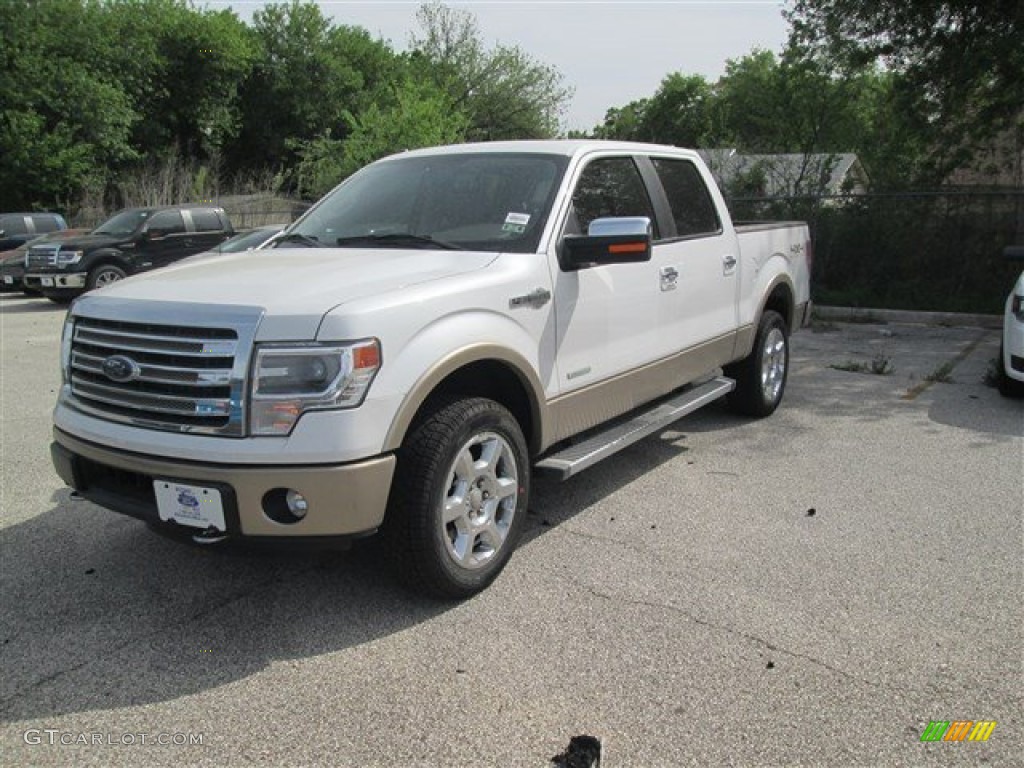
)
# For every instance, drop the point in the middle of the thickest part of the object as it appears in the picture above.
(120, 369)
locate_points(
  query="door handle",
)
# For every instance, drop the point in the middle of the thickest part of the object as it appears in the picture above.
(669, 275)
(729, 263)
(536, 298)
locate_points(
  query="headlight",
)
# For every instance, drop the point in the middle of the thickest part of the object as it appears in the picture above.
(66, 258)
(288, 381)
(65, 348)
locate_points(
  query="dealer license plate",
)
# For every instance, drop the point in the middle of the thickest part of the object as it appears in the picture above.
(190, 505)
(46, 281)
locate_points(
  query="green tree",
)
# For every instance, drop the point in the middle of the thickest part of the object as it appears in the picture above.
(309, 73)
(65, 120)
(962, 61)
(411, 115)
(181, 68)
(504, 92)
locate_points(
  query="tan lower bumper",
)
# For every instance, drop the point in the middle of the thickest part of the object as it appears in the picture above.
(344, 499)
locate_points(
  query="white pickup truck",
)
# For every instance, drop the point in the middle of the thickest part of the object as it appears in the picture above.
(441, 325)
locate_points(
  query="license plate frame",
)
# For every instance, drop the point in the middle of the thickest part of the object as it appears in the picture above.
(195, 506)
(46, 282)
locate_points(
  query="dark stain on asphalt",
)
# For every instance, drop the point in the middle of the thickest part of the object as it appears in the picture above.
(812, 512)
(583, 752)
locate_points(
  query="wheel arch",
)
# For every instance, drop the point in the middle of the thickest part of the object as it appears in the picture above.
(481, 370)
(109, 257)
(779, 297)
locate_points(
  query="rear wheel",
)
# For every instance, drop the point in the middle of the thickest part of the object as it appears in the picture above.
(761, 376)
(458, 500)
(105, 274)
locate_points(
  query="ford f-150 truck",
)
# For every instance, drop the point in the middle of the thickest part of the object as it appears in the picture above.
(441, 325)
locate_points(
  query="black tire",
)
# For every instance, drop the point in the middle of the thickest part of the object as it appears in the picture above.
(439, 468)
(761, 376)
(1008, 387)
(104, 275)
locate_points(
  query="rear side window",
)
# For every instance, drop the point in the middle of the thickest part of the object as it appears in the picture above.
(47, 222)
(206, 220)
(692, 207)
(169, 222)
(609, 186)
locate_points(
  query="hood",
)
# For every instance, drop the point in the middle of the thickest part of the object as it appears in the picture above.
(295, 287)
(85, 242)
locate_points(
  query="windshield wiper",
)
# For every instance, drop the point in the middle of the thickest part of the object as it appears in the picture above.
(296, 237)
(399, 238)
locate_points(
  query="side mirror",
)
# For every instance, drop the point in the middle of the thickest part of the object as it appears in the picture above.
(613, 240)
(1010, 253)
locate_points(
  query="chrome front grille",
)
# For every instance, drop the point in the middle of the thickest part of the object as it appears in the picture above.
(159, 376)
(42, 256)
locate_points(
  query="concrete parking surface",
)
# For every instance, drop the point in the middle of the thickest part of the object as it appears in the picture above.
(810, 589)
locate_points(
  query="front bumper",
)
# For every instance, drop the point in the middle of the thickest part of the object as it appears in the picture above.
(344, 499)
(42, 281)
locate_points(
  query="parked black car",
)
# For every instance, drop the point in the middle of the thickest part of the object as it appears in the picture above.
(12, 263)
(18, 228)
(132, 241)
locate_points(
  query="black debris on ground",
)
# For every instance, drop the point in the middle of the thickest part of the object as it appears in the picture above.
(583, 752)
(770, 665)
(812, 512)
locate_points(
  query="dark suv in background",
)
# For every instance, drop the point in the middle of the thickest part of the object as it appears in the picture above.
(18, 228)
(133, 240)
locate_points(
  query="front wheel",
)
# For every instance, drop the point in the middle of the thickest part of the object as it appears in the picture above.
(104, 275)
(458, 501)
(761, 376)
(1008, 387)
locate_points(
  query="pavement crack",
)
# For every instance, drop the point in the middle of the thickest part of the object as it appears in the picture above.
(731, 631)
(110, 650)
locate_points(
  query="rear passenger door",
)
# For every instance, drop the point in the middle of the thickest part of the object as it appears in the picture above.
(208, 229)
(166, 240)
(704, 256)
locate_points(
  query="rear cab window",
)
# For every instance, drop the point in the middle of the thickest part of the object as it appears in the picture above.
(206, 220)
(693, 210)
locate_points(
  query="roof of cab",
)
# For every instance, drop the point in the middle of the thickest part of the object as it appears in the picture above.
(566, 147)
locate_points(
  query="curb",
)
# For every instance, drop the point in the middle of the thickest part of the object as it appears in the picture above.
(914, 317)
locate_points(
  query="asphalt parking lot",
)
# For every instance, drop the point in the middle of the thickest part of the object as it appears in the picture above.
(811, 589)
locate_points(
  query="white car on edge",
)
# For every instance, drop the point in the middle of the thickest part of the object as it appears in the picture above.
(1011, 352)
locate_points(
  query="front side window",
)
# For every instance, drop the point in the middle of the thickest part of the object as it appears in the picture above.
(692, 208)
(609, 186)
(13, 225)
(167, 222)
(472, 201)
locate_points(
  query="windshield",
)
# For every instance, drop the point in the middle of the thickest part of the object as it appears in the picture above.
(478, 201)
(123, 223)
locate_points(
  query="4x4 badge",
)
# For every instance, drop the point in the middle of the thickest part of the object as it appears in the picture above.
(121, 369)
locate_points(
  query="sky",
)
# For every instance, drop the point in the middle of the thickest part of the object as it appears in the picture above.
(610, 52)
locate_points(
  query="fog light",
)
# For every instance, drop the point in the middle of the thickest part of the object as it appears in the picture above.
(297, 503)
(285, 505)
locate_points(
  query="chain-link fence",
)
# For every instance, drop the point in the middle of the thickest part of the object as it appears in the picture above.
(937, 251)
